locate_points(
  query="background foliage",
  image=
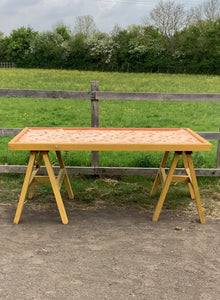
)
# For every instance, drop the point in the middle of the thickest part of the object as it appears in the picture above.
(191, 47)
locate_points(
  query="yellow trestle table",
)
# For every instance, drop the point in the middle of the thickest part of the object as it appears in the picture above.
(39, 141)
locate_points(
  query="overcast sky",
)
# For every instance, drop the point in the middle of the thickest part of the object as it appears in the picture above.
(43, 15)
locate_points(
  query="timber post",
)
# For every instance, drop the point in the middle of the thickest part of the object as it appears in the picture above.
(94, 118)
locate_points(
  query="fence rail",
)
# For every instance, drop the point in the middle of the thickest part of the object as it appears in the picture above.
(94, 95)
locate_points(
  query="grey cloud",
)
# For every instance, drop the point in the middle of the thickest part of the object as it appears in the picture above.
(42, 15)
(12, 6)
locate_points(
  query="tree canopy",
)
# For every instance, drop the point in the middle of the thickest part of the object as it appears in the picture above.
(172, 40)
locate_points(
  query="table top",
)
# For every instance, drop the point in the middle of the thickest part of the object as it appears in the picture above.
(108, 139)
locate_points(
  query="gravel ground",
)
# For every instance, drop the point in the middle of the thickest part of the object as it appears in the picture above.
(108, 253)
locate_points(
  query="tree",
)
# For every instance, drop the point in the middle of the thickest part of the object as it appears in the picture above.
(77, 53)
(3, 48)
(84, 25)
(169, 18)
(146, 48)
(208, 11)
(64, 31)
(211, 10)
(198, 48)
(18, 46)
(122, 38)
(47, 49)
(102, 48)
(194, 16)
(115, 31)
(212, 49)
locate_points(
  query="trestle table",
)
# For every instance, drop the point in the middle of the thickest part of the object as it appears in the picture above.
(39, 141)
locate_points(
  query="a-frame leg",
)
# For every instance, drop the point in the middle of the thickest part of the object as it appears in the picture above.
(25, 186)
(189, 178)
(34, 173)
(157, 179)
(186, 166)
(195, 188)
(66, 178)
(166, 186)
(55, 188)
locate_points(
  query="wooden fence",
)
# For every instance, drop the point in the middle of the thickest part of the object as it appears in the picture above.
(7, 65)
(94, 95)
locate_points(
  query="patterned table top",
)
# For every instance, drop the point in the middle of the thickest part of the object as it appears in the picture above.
(109, 139)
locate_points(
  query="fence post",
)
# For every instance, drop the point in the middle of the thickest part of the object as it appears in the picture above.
(218, 154)
(94, 117)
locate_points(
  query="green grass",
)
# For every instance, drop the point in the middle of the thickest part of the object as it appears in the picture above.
(124, 191)
(22, 112)
(121, 191)
(129, 82)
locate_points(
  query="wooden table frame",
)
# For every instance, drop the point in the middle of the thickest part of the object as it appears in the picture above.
(166, 179)
(32, 178)
(39, 152)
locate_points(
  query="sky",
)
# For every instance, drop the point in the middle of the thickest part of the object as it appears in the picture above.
(43, 15)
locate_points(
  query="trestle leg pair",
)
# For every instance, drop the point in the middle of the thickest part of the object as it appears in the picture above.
(31, 179)
(166, 179)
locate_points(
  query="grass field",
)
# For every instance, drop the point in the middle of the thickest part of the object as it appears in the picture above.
(124, 82)
(22, 112)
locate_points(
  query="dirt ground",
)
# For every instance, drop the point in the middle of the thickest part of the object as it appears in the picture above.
(108, 253)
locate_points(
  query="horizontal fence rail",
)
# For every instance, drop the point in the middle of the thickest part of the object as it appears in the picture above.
(44, 94)
(157, 96)
(108, 95)
(110, 171)
(95, 95)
